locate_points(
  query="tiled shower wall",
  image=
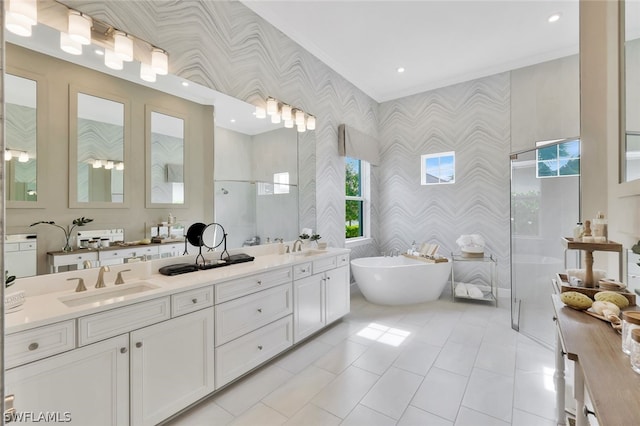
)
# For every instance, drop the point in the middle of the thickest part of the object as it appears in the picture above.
(472, 119)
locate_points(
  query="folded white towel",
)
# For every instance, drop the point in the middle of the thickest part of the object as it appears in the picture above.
(474, 291)
(461, 290)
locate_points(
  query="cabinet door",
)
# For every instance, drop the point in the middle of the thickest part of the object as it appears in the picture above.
(337, 293)
(171, 366)
(86, 386)
(308, 306)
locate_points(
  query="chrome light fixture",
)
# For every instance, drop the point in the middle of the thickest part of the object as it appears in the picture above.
(23, 157)
(112, 60)
(159, 61)
(21, 15)
(123, 46)
(311, 123)
(281, 112)
(69, 45)
(272, 106)
(80, 27)
(147, 73)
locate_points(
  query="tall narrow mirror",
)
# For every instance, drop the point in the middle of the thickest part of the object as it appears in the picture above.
(165, 142)
(97, 151)
(631, 94)
(21, 141)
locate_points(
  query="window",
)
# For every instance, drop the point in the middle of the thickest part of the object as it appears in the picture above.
(562, 159)
(438, 168)
(357, 194)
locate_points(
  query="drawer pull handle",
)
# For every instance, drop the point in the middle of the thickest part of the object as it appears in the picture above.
(194, 300)
(259, 282)
(259, 347)
(33, 346)
(328, 278)
(138, 344)
(123, 350)
(260, 310)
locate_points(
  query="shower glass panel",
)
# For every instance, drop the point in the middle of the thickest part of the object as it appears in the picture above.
(545, 206)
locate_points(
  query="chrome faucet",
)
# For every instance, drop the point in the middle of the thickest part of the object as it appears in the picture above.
(299, 247)
(100, 282)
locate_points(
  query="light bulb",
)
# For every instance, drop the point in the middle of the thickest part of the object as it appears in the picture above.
(288, 124)
(97, 164)
(301, 128)
(120, 166)
(299, 117)
(69, 45)
(147, 73)
(272, 106)
(108, 165)
(21, 15)
(275, 118)
(159, 61)
(286, 112)
(23, 157)
(80, 27)
(112, 60)
(311, 123)
(123, 46)
(7, 155)
(261, 112)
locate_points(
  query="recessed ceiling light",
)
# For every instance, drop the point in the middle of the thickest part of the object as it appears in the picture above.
(400, 69)
(233, 120)
(185, 83)
(554, 18)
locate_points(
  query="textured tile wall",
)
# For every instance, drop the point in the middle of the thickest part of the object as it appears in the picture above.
(472, 119)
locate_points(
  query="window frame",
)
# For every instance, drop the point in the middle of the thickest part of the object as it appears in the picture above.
(558, 158)
(364, 198)
(439, 156)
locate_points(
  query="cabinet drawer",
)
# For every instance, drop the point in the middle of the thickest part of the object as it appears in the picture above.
(70, 259)
(171, 248)
(240, 316)
(125, 253)
(40, 342)
(325, 264)
(343, 259)
(243, 286)
(302, 270)
(190, 301)
(247, 352)
(28, 246)
(93, 328)
(11, 246)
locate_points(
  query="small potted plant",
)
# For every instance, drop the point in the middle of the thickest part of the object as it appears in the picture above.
(81, 221)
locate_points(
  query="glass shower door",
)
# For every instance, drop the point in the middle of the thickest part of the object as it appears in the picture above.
(545, 206)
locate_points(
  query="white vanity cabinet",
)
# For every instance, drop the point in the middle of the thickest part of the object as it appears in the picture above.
(171, 366)
(322, 297)
(253, 322)
(87, 386)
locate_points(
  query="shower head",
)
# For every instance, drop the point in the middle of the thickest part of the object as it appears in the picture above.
(224, 191)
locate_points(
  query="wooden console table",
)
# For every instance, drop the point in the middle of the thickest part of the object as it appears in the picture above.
(601, 368)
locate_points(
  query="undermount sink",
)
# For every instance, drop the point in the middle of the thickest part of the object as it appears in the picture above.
(107, 295)
(306, 253)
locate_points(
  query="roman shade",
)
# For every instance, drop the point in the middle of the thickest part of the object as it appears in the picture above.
(355, 144)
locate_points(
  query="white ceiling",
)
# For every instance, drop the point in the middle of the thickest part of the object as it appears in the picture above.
(439, 43)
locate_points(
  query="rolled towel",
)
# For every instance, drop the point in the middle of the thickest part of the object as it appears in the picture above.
(461, 290)
(474, 292)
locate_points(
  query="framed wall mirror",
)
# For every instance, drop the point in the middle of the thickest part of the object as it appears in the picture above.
(97, 149)
(630, 96)
(21, 132)
(165, 144)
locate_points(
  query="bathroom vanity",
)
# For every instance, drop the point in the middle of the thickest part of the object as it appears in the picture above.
(140, 352)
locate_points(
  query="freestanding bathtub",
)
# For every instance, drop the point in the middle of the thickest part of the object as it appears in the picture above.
(399, 280)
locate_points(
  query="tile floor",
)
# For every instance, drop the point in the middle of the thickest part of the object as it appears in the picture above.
(438, 363)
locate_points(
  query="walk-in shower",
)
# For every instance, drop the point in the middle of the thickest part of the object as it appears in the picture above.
(545, 206)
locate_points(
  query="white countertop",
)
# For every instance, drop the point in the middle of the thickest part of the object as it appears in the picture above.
(43, 309)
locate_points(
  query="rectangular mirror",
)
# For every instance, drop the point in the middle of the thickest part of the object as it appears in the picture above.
(166, 163)
(630, 93)
(97, 150)
(21, 165)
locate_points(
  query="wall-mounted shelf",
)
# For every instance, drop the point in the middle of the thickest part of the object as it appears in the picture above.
(589, 248)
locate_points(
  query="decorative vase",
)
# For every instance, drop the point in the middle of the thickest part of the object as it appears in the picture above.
(68, 246)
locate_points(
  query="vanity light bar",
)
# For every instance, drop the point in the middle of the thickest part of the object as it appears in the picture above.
(281, 112)
(9, 154)
(107, 164)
